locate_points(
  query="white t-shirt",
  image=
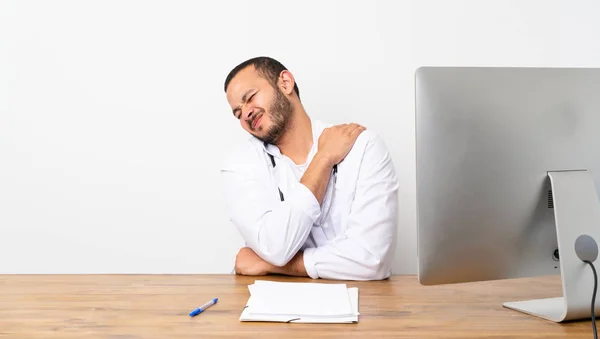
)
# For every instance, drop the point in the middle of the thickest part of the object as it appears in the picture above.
(298, 169)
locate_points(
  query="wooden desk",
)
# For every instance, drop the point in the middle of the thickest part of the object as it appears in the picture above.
(157, 306)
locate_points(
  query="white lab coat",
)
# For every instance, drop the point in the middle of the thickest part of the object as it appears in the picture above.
(352, 236)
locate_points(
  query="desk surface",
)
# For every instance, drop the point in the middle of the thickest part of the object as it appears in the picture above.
(157, 306)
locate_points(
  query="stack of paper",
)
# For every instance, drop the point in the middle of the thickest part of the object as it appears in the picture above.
(301, 302)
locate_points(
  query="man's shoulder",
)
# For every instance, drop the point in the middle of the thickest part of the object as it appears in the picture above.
(367, 142)
(368, 155)
(367, 138)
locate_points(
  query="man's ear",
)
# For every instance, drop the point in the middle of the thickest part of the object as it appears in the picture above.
(286, 82)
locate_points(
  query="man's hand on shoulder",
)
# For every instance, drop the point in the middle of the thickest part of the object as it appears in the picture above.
(336, 142)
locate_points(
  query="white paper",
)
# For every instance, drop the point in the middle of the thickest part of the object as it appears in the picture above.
(301, 299)
(301, 302)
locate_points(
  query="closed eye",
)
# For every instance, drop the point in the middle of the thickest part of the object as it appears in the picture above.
(238, 111)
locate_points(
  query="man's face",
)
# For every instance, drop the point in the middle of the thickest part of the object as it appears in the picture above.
(263, 111)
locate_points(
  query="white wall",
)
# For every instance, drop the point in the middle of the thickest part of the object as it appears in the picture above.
(113, 116)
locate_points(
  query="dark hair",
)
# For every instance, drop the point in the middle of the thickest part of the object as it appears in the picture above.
(267, 67)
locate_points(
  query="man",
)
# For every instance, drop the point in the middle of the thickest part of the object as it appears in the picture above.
(309, 199)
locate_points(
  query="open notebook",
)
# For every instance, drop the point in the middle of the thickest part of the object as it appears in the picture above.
(301, 303)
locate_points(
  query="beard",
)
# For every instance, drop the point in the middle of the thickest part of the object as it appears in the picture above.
(280, 113)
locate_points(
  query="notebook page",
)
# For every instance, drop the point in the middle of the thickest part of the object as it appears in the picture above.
(248, 315)
(301, 299)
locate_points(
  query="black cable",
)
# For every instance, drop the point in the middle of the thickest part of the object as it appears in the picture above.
(593, 297)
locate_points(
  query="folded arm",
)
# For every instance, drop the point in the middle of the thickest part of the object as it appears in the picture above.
(275, 232)
(247, 262)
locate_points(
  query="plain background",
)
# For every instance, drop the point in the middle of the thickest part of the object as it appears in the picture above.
(113, 120)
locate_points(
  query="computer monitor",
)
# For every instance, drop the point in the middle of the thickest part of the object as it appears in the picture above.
(508, 166)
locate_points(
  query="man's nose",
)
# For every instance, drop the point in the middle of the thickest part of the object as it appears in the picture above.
(247, 112)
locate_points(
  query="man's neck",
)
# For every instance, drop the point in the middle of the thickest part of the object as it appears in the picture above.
(297, 140)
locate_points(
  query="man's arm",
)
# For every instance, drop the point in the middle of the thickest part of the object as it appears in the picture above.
(365, 251)
(273, 230)
(334, 144)
(294, 267)
(247, 262)
(317, 175)
(277, 233)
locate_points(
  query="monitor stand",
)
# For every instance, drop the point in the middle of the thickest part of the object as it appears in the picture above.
(577, 214)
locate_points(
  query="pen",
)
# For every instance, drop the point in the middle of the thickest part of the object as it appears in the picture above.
(203, 307)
